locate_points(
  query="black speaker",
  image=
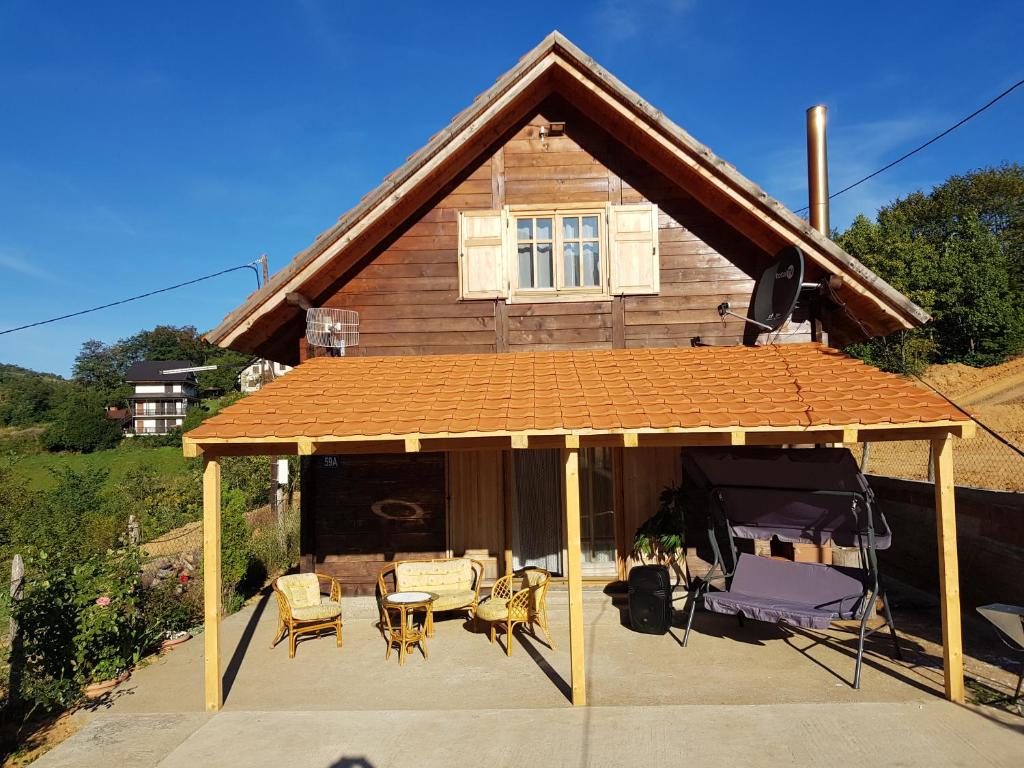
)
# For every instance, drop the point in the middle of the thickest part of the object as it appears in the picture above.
(650, 599)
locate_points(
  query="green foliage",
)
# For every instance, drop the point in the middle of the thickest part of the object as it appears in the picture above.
(235, 555)
(80, 423)
(69, 519)
(958, 252)
(161, 503)
(30, 398)
(167, 609)
(661, 535)
(79, 623)
(103, 366)
(229, 364)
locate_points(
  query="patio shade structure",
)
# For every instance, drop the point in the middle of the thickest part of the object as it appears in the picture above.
(627, 398)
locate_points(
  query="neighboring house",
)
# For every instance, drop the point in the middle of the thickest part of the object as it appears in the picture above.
(123, 417)
(559, 212)
(160, 400)
(260, 372)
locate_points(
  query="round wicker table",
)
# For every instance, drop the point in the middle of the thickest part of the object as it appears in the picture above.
(406, 633)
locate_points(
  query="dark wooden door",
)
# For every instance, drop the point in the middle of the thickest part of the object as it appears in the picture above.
(370, 509)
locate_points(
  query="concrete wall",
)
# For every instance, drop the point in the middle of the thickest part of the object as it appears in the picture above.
(990, 527)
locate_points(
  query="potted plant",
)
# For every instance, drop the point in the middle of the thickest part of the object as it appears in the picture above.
(660, 539)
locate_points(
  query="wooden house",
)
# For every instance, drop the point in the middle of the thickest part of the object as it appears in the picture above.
(537, 292)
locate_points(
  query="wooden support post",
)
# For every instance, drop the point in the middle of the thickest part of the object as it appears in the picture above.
(211, 583)
(949, 573)
(571, 459)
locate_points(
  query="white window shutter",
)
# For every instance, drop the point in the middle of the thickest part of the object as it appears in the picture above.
(482, 272)
(633, 249)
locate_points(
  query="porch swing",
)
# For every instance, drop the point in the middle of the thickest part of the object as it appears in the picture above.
(800, 496)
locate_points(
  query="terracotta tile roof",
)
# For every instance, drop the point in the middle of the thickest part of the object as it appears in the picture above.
(797, 385)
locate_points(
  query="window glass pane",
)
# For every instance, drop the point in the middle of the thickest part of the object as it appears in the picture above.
(571, 228)
(591, 264)
(526, 266)
(545, 278)
(572, 265)
(590, 226)
(524, 229)
(543, 229)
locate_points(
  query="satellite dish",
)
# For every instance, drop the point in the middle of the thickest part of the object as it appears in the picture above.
(332, 328)
(775, 294)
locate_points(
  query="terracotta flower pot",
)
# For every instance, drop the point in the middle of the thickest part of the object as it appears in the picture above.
(175, 640)
(96, 690)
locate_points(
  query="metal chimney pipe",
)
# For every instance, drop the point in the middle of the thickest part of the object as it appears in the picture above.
(817, 168)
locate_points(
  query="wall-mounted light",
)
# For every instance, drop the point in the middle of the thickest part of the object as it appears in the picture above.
(552, 129)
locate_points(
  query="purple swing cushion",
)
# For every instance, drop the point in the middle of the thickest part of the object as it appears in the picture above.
(808, 595)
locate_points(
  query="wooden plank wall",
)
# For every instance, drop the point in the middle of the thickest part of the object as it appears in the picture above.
(645, 472)
(476, 501)
(407, 295)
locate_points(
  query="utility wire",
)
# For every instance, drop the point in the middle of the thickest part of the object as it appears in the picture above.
(930, 141)
(974, 418)
(136, 298)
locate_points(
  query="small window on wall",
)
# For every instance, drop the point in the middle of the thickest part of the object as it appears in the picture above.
(535, 243)
(582, 251)
(559, 253)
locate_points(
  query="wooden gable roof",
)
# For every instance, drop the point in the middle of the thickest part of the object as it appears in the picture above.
(266, 321)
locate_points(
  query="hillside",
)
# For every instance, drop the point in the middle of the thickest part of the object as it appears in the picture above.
(995, 396)
(9, 371)
(37, 468)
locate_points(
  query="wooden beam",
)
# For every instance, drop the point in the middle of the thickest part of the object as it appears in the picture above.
(850, 436)
(214, 694)
(738, 438)
(306, 446)
(572, 441)
(630, 440)
(949, 572)
(571, 459)
(296, 299)
(412, 445)
(520, 442)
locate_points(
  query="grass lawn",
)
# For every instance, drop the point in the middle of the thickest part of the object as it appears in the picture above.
(36, 468)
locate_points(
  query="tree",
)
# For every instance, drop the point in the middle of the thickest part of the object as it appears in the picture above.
(80, 424)
(958, 252)
(30, 398)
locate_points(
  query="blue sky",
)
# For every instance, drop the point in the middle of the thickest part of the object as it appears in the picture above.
(143, 144)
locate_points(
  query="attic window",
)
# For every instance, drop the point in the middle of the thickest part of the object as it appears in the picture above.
(559, 252)
(577, 251)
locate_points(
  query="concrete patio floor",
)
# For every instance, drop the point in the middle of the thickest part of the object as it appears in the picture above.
(753, 693)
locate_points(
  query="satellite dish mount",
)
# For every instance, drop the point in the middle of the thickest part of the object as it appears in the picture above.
(775, 295)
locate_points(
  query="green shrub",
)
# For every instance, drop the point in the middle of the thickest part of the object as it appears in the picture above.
(167, 608)
(236, 557)
(78, 623)
(80, 423)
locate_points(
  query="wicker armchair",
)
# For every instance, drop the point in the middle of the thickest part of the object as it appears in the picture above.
(302, 609)
(505, 608)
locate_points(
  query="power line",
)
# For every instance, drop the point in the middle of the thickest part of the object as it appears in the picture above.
(136, 298)
(930, 141)
(973, 417)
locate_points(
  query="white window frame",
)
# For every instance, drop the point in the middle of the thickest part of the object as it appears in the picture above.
(559, 291)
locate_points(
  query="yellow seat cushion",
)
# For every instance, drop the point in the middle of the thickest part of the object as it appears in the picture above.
(493, 610)
(449, 600)
(301, 589)
(434, 575)
(326, 609)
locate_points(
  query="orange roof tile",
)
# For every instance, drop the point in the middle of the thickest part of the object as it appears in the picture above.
(795, 385)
